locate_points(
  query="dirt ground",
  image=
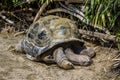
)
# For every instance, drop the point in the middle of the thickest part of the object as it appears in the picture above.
(15, 66)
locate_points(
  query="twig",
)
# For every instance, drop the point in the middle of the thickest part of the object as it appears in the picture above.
(5, 12)
(70, 7)
(66, 11)
(24, 10)
(98, 35)
(19, 33)
(9, 21)
(17, 11)
(40, 11)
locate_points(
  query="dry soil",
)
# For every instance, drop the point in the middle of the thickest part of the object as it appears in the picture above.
(15, 65)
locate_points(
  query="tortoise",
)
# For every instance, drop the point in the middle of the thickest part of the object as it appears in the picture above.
(53, 39)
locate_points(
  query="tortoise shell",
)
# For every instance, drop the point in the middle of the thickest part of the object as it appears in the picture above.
(48, 33)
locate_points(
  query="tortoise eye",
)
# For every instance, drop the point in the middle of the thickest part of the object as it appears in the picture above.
(42, 35)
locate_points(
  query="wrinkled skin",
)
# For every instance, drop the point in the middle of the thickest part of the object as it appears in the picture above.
(55, 40)
(66, 59)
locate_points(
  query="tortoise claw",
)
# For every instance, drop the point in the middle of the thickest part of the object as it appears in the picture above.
(66, 65)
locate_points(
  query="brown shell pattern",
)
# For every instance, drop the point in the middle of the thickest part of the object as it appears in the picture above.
(51, 29)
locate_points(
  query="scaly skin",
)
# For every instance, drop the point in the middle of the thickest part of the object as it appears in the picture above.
(61, 59)
(77, 59)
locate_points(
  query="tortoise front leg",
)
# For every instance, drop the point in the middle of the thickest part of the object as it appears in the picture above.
(61, 59)
(77, 59)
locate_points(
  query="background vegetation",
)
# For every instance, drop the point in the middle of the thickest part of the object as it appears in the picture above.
(103, 13)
